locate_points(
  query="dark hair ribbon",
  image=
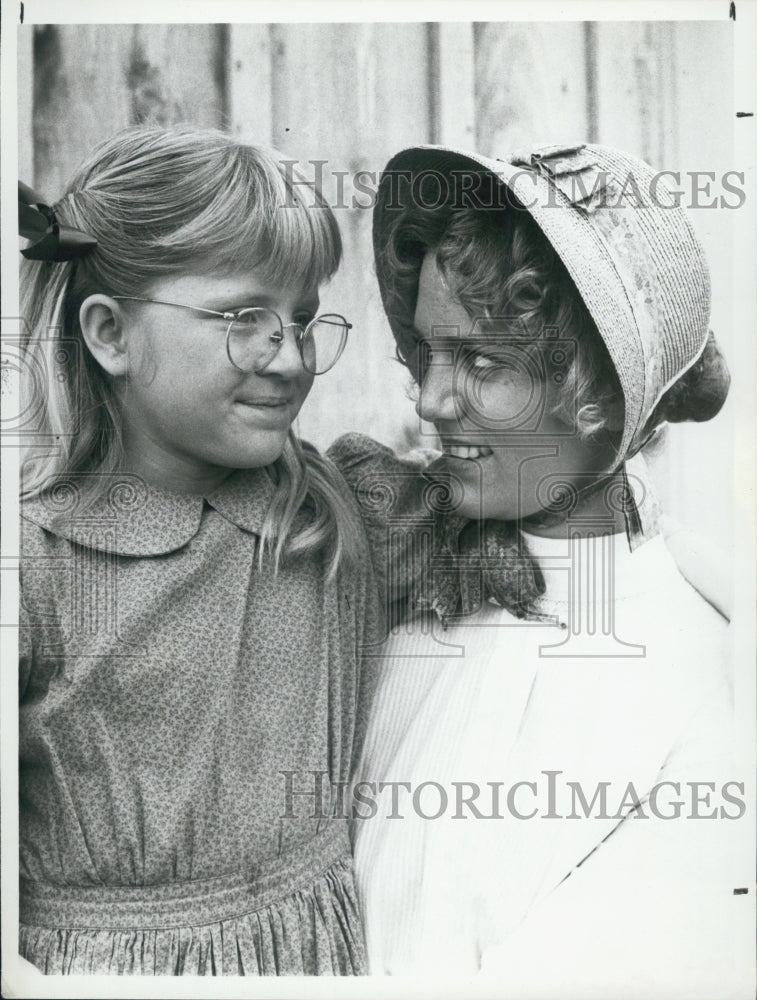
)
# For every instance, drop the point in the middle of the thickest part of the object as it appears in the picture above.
(51, 241)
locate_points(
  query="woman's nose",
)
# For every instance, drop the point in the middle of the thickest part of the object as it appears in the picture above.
(436, 395)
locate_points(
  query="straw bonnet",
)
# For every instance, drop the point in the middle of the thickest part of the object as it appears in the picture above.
(618, 227)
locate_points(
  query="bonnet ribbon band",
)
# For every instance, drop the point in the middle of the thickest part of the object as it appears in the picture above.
(52, 241)
(573, 170)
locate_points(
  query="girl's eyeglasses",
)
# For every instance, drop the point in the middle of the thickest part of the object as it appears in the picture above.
(254, 336)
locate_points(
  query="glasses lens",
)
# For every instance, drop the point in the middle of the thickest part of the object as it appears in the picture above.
(254, 338)
(323, 343)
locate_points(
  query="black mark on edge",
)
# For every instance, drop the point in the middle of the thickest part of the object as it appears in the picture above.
(740, 892)
(745, 114)
(732, 11)
(21, 14)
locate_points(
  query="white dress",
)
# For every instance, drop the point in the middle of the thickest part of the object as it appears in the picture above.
(625, 683)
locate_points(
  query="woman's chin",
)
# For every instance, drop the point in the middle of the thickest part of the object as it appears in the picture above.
(471, 496)
(476, 507)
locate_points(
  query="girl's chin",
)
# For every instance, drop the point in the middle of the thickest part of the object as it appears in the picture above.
(256, 455)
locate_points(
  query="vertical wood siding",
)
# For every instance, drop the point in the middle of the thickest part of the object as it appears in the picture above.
(353, 94)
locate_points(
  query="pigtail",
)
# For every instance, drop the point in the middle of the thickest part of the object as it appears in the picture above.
(69, 397)
(310, 485)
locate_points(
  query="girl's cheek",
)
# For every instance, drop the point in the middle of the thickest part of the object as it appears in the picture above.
(148, 363)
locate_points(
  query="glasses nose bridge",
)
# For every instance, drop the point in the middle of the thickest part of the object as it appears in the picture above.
(256, 345)
(299, 326)
(282, 359)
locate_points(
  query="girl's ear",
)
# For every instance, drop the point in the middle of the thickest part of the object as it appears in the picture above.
(105, 333)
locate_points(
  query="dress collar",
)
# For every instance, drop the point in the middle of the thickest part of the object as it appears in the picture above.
(132, 518)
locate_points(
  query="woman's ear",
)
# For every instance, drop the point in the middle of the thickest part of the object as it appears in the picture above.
(105, 333)
(615, 416)
(592, 418)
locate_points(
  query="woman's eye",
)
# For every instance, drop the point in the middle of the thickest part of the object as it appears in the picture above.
(479, 362)
(482, 362)
(489, 359)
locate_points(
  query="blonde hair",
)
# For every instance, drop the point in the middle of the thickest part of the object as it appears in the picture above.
(160, 201)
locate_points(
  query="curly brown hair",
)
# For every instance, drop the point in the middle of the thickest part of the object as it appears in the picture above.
(499, 264)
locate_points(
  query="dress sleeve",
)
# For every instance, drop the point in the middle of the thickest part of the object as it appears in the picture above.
(27, 619)
(364, 630)
(44, 576)
(394, 502)
(25, 648)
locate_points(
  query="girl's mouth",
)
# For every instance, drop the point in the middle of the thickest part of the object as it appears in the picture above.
(271, 402)
(274, 414)
(465, 451)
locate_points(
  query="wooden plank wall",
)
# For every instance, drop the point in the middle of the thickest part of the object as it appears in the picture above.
(353, 94)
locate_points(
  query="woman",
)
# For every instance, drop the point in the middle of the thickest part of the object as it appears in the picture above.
(555, 680)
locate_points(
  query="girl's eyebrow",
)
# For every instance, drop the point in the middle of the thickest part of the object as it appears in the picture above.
(237, 300)
(243, 300)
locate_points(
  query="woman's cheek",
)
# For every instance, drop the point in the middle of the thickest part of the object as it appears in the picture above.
(507, 406)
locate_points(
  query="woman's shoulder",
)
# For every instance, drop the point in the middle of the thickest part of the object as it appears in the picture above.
(682, 639)
(659, 583)
(702, 563)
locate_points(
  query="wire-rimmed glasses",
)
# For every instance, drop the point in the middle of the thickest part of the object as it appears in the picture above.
(255, 334)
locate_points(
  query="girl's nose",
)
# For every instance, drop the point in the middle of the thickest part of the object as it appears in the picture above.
(436, 395)
(287, 361)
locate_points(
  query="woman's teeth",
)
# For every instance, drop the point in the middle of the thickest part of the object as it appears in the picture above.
(466, 451)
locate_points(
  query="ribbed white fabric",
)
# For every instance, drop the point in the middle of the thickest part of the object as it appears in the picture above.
(484, 701)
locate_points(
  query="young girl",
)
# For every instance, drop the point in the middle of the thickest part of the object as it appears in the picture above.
(194, 584)
(522, 761)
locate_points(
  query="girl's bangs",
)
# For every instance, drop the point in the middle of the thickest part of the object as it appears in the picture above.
(255, 220)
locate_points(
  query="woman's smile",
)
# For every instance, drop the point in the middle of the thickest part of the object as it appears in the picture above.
(465, 452)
